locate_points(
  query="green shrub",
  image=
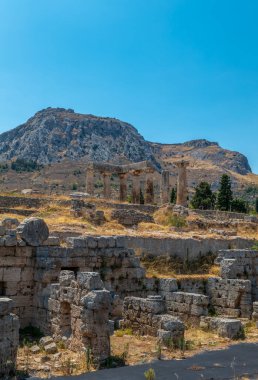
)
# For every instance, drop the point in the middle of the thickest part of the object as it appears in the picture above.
(176, 221)
(150, 374)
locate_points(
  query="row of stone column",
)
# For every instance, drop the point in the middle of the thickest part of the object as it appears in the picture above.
(136, 185)
(149, 185)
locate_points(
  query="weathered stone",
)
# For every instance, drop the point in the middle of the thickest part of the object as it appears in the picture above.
(10, 223)
(50, 348)
(34, 231)
(6, 306)
(46, 340)
(35, 349)
(226, 328)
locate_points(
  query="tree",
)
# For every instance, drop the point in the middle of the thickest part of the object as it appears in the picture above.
(239, 205)
(203, 198)
(173, 196)
(256, 205)
(141, 197)
(225, 195)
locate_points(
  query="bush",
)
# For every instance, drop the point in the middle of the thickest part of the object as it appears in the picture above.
(21, 165)
(239, 205)
(150, 374)
(176, 221)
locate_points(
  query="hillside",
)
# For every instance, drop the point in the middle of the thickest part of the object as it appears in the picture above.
(63, 141)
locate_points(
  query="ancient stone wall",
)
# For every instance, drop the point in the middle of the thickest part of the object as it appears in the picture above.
(188, 306)
(9, 338)
(147, 316)
(230, 297)
(240, 264)
(119, 269)
(16, 279)
(78, 309)
(184, 248)
(28, 202)
(131, 217)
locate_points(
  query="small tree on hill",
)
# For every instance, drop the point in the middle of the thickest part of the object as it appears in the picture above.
(203, 198)
(173, 196)
(225, 195)
(256, 205)
(141, 198)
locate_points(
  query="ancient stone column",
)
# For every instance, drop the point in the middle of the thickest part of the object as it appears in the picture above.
(182, 183)
(136, 187)
(123, 187)
(149, 188)
(90, 180)
(165, 186)
(107, 188)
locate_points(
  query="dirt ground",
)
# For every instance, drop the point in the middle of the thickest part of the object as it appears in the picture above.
(131, 348)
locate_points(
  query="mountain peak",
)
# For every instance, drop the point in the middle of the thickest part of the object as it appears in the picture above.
(201, 143)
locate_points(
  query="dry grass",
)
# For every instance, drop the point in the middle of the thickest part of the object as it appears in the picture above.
(144, 349)
(175, 267)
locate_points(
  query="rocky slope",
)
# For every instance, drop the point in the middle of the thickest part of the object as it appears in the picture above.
(203, 150)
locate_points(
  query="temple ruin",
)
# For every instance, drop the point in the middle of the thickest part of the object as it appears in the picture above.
(137, 171)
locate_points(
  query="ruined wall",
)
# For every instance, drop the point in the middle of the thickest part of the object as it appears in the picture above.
(119, 269)
(241, 264)
(230, 297)
(147, 316)
(131, 217)
(186, 248)
(188, 306)
(16, 279)
(9, 338)
(78, 309)
(28, 202)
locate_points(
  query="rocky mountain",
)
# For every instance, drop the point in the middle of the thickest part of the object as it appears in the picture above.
(63, 141)
(55, 134)
(204, 151)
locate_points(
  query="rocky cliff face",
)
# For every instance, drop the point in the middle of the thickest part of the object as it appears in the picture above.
(55, 135)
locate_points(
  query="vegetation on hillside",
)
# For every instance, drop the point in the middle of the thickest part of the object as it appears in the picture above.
(21, 165)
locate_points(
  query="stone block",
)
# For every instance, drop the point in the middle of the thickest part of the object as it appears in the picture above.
(6, 306)
(51, 348)
(90, 280)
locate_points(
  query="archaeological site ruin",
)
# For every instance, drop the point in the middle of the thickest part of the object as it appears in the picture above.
(79, 289)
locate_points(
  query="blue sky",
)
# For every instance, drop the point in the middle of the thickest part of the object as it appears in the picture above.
(176, 69)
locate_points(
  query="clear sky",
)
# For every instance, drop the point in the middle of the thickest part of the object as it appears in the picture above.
(176, 69)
